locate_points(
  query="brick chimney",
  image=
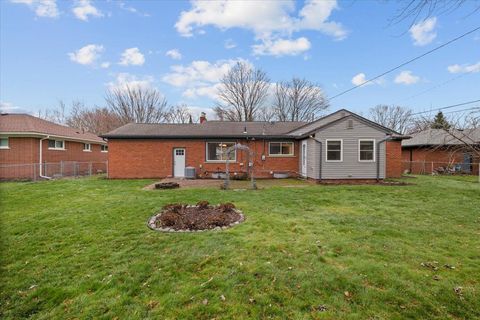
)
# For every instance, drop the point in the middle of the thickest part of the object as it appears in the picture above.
(203, 117)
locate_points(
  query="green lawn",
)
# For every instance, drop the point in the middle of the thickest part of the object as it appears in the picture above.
(81, 249)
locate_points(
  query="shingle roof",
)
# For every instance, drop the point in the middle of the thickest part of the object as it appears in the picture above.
(440, 137)
(209, 129)
(27, 124)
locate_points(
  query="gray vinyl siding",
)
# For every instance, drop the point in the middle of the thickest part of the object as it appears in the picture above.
(350, 167)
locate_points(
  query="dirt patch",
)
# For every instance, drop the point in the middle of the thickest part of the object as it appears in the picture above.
(186, 183)
(202, 216)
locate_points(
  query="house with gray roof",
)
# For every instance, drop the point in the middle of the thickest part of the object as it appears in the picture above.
(339, 146)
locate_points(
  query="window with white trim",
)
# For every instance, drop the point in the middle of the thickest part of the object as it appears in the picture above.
(334, 150)
(56, 144)
(4, 143)
(104, 148)
(366, 150)
(280, 149)
(216, 151)
(87, 147)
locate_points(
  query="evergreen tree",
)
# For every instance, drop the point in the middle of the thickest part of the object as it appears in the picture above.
(440, 122)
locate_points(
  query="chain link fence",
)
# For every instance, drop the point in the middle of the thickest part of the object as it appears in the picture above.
(440, 168)
(54, 170)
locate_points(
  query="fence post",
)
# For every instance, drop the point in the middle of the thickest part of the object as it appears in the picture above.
(34, 172)
(106, 163)
(74, 168)
(61, 168)
(89, 169)
(432, 168)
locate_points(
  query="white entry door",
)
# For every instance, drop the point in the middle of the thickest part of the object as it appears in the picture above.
(304, 158)
(179, 162)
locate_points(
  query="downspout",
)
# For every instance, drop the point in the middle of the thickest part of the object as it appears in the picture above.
(378, 155)
(40, 160)
(320, 158)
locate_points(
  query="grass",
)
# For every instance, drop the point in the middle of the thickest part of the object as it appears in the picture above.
(81, 249)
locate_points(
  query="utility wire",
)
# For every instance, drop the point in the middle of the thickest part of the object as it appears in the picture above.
(405, 63)
(446, 107)
(469, 109)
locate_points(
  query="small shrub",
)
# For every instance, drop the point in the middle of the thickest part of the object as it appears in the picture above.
(203, 204)
(226, 207)
(174, 207)
(169, 218)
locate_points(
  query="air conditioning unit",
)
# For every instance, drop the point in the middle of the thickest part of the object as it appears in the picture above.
(190, 173)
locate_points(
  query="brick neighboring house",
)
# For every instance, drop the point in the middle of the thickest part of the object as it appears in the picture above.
(342, 145)
(434, 149)
(26, 140)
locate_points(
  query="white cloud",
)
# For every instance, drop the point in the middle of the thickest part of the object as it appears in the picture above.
(7, 107)
(42, 8)
(123, 80)
(132, 56)
(105, 64)
(282, 47)
(423, 33)
(84, 8)
(199, 72)
(268, 20)
(230, 44)
(174, 54)
(406, 77)
(464, 68)
(360, 79)
(200, 78)
(87, 55)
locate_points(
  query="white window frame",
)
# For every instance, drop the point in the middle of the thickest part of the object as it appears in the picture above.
(374, 150)
(281, 154)
(341, 150)
(8, 143)
(219, 161)
(56, 148)
(102, 146)
(89, 149)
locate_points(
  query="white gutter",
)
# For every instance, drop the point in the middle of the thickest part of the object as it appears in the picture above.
(40, 160)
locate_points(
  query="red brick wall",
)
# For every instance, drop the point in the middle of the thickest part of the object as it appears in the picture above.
(394, 159)
(153, 159)
(26, 151)
(418, 160)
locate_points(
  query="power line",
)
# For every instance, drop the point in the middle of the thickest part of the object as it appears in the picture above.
(405, 63)
(446, 107)
(469, 109)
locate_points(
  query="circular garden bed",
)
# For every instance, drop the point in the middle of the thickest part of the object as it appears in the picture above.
(192, 218)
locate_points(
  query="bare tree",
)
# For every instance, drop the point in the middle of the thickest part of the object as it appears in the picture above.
(393, 117)
(243, 91)
(179, 114)
(96, 120)
(419, 10)
(298, 100)
(57, 115)
(137, 104)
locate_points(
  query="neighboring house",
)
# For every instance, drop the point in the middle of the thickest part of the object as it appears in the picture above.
(342, 145)
(436, 149)
(26, 140)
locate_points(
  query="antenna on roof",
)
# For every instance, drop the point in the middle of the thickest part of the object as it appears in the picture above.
(245, 129)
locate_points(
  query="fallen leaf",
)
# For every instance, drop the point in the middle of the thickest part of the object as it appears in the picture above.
(222, 297)
(205, 301)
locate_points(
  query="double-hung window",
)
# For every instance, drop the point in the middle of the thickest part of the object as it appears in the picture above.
(334, 150)
(87, 147)
(56, 144)
(104, 148)
(277, 149)
(366, 150)
(217, 151)
(4, 143)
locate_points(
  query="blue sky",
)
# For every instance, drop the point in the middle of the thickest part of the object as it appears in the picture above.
(76, 50)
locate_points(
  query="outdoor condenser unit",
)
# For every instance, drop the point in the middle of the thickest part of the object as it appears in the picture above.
(190, 173)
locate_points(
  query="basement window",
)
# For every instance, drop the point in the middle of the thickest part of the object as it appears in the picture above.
(4, 143)
(56, 144)
(87, 147)
(280, 149)
(334, 150)
(366, 150)
(104, 148)
(216, 151)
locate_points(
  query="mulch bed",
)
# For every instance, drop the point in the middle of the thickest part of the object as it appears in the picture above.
(202, 216)
(167, 185)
